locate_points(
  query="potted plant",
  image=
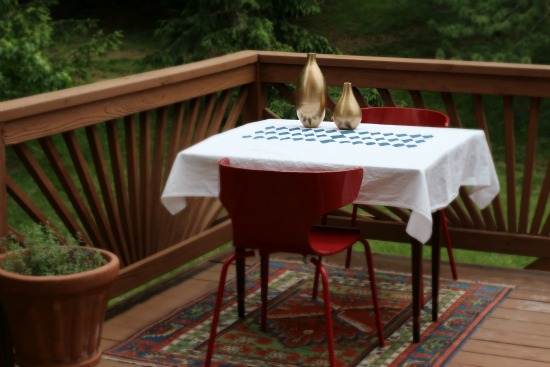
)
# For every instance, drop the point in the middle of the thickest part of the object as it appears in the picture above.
(54, 293)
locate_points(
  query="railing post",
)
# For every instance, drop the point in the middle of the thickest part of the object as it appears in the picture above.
(257, 99)
(6, 343)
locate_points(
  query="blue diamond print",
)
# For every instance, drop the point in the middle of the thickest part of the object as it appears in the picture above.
(399, 145)
(273, 137)
(400, 135)
(388, 134)
(370, 143)
(427, 136)
(345, 132)
(407, 140)
(392, 140)
(415, 136)
(271, 132)
(355, 137)
(357, 142)
(295, 128)
(311, 139)
(327, 141)
(375, 133)
(297, 139)
(411, 146)
(270, 127)
(281, 134)
(285, 139)
(420, 141)
(378, 139)
(259, 137)
(383, 144)
(338, 137)
(344, 142)
(363, 132)
(247, 136)
(332, 131)
(319, 130)
(309, 134)
(282, 128)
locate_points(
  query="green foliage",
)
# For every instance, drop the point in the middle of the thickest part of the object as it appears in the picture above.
(494, 30)
(204, 29)
(39, 55)
(44, 253)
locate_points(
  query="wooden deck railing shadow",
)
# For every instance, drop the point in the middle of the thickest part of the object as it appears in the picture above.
(94, 159)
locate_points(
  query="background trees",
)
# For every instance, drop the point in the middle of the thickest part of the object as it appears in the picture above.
(52, 44)
(39, 55)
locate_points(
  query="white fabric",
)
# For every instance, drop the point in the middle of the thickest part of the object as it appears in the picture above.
(423, 177)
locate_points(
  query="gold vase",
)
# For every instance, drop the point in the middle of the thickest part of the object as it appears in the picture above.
(347, 113)
(311, 94)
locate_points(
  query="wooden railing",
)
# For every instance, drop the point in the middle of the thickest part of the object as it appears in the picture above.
(94, 159)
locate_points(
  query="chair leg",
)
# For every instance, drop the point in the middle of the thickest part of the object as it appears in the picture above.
(316, 280)
(264, 268)
(328, 310)
(218, 305)
(448, 244)
(353, 222)
(374, 292)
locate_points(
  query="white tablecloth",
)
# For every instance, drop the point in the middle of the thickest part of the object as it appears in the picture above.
(418, 168)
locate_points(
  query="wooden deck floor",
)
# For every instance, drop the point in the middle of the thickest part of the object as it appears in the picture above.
(517, 334)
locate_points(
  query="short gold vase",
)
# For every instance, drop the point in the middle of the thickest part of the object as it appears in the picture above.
(347, 113)
(311, 94)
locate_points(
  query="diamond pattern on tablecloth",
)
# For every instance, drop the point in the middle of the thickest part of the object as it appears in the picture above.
(335, 136)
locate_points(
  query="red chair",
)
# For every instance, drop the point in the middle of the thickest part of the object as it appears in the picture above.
(409, 117)
(275, 211)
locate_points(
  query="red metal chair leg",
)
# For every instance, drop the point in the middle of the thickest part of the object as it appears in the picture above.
(328, 310)
(448, 244)
(218, 305)
(316, 280)
(353, 222)
(374, 291)
(264, 264)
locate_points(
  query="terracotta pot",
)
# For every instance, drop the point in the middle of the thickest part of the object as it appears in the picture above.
(58, 320)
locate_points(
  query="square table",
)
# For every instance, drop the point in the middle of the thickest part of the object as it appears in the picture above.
(418, 168)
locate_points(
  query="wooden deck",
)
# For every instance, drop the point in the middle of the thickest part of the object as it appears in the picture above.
(516, 334)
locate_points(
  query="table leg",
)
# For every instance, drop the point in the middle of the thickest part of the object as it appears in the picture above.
(240, 264)
(416, 287)
(436, 260)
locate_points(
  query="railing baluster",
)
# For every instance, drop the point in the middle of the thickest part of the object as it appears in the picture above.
(156, 178)
(47, 187)
(73, 193)
(119, 182)
(417, 99)
(87, 182)
(135, 204)
(510, 162)
(529, 166)
(539, 211)
(144, 180)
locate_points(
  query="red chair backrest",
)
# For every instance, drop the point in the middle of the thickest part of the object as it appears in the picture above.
(404, 116)
(275, 210)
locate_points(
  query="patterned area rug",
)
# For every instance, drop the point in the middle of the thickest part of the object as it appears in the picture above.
(296, 327)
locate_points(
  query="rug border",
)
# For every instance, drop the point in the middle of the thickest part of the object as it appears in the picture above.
(449, 355)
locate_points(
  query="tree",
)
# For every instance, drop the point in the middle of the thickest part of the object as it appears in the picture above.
(39, 55)
(207, 28)
(495, 30)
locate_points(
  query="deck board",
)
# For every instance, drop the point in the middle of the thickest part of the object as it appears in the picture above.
(517, 333)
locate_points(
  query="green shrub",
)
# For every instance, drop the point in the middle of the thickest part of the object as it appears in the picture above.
(45, 253)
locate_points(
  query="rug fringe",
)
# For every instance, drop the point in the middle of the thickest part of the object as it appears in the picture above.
(138, 363)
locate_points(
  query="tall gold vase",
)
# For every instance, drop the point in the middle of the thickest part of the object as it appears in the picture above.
(347, 113)
(311, 94)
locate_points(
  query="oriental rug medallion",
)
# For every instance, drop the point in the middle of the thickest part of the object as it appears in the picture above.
(295, 333)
